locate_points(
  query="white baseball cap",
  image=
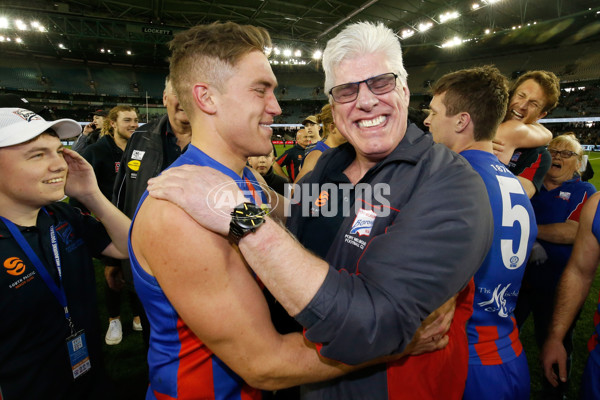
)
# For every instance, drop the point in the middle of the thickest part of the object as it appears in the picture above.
(18, 125)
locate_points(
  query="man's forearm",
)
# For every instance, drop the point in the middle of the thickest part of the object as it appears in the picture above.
(570, 296)
(115, 222)
(560, 233)
(293, 284)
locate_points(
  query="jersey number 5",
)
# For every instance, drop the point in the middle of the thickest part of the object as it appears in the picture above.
(511, 215)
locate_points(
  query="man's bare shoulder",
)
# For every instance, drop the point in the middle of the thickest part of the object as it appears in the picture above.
(163, 234)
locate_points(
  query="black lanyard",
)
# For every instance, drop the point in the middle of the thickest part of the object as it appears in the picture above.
(57, 290)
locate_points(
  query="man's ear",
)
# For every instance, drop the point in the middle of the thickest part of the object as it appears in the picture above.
(463, 120)
(203, 96)
(542, 115)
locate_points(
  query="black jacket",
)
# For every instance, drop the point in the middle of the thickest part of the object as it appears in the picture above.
(143, 159)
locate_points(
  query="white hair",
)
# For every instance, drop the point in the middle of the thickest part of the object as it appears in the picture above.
(359, 39)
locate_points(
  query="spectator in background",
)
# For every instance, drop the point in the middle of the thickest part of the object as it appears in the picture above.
(151, 149)
(264, 166)
(105, 158)
(48, 293)
(313, 132)
(292, 158)
(91, 132)
(331, 138)
(557, 209)
(522, 140)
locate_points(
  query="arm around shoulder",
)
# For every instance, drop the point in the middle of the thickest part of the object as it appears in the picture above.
(205, 288)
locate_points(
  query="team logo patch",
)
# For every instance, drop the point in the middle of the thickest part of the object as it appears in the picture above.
(117, 166)
(14, 266)
(564, 195)
(27, 115)
(363, 222)
(137, 155)
(515, 156)
(134, 165)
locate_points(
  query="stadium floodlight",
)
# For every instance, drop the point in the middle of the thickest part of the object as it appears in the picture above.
(317, 55)
(61, 46)
(287, 52)
(298, 53)
(2, 38)
(475, 6)
(268, 51)
(128, 52)
(406, 33)
(455, 41)
(276, 51)
(488, 31)
(424, 26)
(449, 15)
(21, 25)
(3, 23)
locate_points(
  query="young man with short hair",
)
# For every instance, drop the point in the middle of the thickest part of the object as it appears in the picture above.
(50, 338)
(465, 111)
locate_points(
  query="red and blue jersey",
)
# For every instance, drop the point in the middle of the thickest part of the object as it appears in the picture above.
(180, 365)
(492, 330)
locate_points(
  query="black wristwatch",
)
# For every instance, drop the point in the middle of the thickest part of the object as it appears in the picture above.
(245, 218)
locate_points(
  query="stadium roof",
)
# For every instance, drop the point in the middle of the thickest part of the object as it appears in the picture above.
(80, 29)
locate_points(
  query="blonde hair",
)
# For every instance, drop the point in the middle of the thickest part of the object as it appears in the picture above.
(210, 53)
(325, 117)
(113, 115)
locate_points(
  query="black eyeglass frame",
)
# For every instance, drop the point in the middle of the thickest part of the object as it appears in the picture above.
(568, 154)
(368, 82)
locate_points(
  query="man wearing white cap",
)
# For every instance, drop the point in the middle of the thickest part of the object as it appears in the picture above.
(50, 338)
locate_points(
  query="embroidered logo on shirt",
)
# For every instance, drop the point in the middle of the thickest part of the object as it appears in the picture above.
(564, 195)
(14, 266)
(65, 232)
(117, 166)
(363, 222)
(137, 155)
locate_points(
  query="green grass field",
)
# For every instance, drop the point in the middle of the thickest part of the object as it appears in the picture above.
(126, 361)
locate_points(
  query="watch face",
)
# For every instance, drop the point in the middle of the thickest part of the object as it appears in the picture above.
(248, 215)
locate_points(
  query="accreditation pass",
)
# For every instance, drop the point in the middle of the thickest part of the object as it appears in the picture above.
(78, 354)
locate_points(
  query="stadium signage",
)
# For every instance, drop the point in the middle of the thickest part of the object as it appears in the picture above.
(158, 31)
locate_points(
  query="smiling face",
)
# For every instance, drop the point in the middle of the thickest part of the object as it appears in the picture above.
(527, 103)
(125, 125)
(373, 124)
(32, 174)
(247, 105)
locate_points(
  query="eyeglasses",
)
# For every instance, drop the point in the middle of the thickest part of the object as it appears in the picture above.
(563, 153)
(380, 84)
